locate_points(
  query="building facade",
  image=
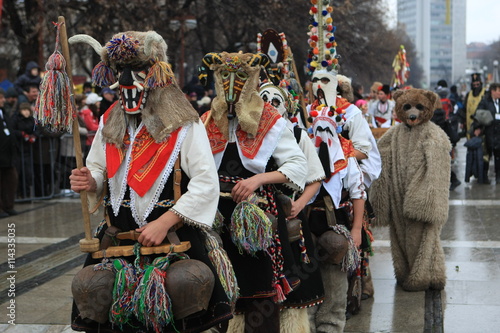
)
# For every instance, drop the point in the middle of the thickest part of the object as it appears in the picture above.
(437, 28)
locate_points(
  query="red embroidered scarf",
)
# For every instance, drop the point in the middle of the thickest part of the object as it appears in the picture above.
(249, 145)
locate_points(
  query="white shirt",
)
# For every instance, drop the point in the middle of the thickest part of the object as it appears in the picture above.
(197, 206)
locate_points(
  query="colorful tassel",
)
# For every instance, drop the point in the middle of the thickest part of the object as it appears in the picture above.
(303, 250)
(352, 259)
(219, 259)
(160, 75)
(152, 305)
(250, 228)
(218, 225)
(125, 284)
(102, 75)
(55, 106)
(278, 276)
(286, 285)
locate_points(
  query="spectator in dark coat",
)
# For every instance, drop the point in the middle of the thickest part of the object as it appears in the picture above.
(30, 77)
(23, 125)
(439, 118)
(474, 163)
(9, 156)
(11, 102)
(491, 102)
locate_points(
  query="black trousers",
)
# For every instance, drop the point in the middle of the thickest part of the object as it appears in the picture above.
(495, 154)
(8, 187)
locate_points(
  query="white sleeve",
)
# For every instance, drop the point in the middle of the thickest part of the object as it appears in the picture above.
(198, 204)
(291, 161)
(359, 133)
(96, 162)
(353, 180)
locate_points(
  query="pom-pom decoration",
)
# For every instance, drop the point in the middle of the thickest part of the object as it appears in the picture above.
(122, 48)
(321, 38)
(55, 106)
(103, 75)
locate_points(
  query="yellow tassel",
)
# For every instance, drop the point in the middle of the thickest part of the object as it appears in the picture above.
(160, 75)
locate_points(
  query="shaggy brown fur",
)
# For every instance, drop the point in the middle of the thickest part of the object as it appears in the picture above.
(249, 106)
(166, 109)
(411, 194)
(345, 87)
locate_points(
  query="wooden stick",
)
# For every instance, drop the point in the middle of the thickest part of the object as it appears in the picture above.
(88, 244)
(301, 97)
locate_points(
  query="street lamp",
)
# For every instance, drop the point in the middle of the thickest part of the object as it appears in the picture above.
(496, 78)
(485, 73)
(183, 23)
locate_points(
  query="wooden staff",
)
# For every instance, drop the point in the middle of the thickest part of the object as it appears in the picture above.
(301, 96)
(88, 244)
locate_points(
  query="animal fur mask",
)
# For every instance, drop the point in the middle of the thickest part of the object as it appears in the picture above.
(415, 106)
(136, 62)
(237, 83)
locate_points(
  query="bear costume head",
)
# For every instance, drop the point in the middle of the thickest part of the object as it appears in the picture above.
(415, 106)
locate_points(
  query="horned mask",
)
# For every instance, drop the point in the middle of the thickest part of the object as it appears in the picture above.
(136, 64)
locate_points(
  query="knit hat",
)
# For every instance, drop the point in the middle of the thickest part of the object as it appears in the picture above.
(11, 92)
(360, 102)
(108, 91)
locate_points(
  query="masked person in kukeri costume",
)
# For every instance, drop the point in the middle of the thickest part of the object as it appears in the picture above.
(306, 268)
(133, 157)
(337, 212)
(368, 156)
(253, 149)
(336, 218)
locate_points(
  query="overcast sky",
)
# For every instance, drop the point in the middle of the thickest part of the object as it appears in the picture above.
(483, 18)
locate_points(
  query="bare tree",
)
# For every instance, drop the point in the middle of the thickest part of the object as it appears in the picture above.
(365, 43)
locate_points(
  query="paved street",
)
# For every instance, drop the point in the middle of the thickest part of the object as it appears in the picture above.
(47, 257)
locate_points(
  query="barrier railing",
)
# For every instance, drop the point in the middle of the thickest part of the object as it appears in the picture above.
(44, 167)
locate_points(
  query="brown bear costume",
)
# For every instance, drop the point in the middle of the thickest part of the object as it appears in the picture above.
(411, 195)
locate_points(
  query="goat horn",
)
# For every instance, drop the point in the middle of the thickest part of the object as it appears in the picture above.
(86, 39)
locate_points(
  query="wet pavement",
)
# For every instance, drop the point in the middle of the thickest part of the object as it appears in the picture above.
(47, 256)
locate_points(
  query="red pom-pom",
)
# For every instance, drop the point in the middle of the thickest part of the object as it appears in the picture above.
(314, 38)
(314, 10)
(294, 120)
(313, 113)
(330, 113)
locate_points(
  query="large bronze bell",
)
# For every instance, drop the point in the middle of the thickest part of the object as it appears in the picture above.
(332, 247)
(190, 284)
(93, 293)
